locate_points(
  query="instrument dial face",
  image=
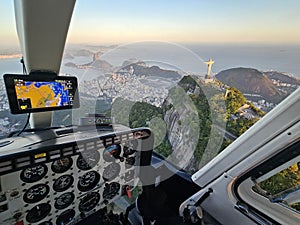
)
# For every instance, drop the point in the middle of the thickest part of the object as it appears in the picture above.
(87, 160)
(129, 175)
(61, 165)
(111, 190)
(89, 201)
(111, 171)
(36, 193)
(34, 173)
(63, 183)
(38, 213)
(64, 200)
(88, 181)
(111, 152)
(65, 217)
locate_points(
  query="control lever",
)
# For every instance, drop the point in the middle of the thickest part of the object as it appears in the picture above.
(193, 213)
(127, 191)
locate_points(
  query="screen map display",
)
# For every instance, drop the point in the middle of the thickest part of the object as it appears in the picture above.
(41, 92)
(34, 94)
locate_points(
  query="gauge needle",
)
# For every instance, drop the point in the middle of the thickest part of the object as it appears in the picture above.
(60, 162)
(39, 211)
(112, 152)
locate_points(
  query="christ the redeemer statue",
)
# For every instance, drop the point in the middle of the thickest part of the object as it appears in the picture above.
(209, 65)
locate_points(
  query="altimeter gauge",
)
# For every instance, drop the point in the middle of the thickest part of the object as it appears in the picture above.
(33, 173)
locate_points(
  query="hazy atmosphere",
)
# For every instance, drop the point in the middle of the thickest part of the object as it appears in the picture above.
(192, 21)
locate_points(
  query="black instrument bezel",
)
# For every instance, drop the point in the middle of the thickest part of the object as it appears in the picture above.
(9, 80)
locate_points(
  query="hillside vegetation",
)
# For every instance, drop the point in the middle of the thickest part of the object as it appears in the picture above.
(141, 113)
(251, 81)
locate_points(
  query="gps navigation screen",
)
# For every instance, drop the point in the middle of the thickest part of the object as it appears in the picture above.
(44, 94)
(33, 95)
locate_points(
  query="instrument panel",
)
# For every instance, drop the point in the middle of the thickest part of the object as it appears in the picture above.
(69, 182)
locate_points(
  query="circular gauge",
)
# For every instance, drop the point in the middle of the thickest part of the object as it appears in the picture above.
(89, 201)
(87, 160)
(111, 153)
(63, 183)
(65, 217)
(111, 190)
(88, 181)
(36, 193)
(129, 175)
(129, 162)
(38, 213)
(64, 200)
(46, 223)
(111, 171)
(61, 165)
(34, 173)
(129, 148)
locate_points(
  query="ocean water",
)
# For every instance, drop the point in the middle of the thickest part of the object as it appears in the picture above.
(282, 58)
(190, 57)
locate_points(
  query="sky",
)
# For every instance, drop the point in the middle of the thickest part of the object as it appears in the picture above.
(180, 21)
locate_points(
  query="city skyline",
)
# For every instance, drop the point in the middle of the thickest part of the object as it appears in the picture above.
(192, 21)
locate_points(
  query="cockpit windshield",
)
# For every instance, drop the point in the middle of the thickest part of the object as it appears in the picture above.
(196, 79)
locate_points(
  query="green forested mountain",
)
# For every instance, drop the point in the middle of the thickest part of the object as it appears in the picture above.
(144, 114)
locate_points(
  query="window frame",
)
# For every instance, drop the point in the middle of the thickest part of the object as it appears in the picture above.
(258, 204)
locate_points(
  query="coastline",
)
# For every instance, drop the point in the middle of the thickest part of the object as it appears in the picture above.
(11, 56)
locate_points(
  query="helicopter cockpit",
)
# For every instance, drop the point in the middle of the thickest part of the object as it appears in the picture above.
(98, 171)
